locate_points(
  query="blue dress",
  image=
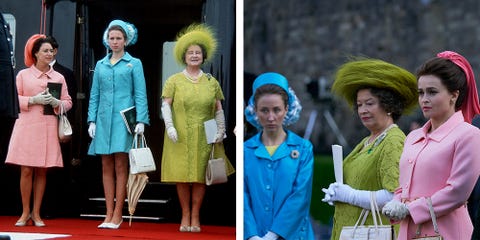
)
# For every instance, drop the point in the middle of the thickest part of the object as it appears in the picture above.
(114, 88)
(278, 188)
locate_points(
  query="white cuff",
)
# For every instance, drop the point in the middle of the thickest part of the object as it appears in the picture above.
(270, 236)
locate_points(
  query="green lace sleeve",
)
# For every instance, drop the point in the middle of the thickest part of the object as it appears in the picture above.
(390, 152)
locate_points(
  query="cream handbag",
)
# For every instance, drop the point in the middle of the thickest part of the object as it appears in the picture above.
(140, 156)
(437, 235)
(371, 232)
(64, 127)
(216, 171)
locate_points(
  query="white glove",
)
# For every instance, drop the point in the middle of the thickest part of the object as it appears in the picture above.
(172, 134)
(255, 238)
(167, 118)
(395, 210)
(361, 198)
(54, 102)
(328, 195)
(139, 128)
(91, 129)
(220, 120)
(42, 98)
(270, 236)
(344, 193)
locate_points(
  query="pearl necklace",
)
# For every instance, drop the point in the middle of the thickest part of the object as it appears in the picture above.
(192, 78)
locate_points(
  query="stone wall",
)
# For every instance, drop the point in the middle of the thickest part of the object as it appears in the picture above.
(309, 39)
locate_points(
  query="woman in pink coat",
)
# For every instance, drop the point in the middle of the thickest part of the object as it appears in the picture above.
(34, 143)
(441, 160)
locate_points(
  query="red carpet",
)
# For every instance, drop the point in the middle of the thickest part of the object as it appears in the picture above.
(86, 229)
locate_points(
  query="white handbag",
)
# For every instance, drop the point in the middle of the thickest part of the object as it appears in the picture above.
(140, 156)
(216, 171)
(64, 127)
(371, 232)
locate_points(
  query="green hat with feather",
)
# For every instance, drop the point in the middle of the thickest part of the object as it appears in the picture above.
(195, 34)
(361, 73)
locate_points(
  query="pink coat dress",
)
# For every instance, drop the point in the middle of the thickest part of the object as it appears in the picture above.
(34, 141)
(443, 165)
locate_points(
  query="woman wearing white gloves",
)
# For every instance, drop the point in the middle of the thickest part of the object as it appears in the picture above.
(380, 92)
(118, 83)
(190, 98)
(441, 160)
(34, 144)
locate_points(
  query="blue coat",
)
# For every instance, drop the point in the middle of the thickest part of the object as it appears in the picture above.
(278, 188)
(114, 88)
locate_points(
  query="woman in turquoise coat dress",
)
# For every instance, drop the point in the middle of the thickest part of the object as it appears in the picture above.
(278, 165)
(118, 83)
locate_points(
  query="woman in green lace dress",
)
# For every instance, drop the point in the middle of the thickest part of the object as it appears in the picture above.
(380, 92)
(190, 98)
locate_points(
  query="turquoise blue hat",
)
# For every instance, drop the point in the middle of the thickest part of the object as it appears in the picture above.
(294, 107)
(130, 30)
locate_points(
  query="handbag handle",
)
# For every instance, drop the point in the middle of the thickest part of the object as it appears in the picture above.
(143, 142)
(62, 109)
(375, 213)
(375, 210)
(432, 215)
(211, 153)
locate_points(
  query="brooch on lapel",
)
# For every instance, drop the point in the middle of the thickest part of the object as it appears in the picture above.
(129, 65)
(294, 154)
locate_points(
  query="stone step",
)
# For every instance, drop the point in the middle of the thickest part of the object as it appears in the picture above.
(157, 203)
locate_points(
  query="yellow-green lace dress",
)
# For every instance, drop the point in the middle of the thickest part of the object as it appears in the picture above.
(372, 168)
(193, 104)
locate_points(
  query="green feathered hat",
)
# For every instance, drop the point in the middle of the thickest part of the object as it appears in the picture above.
(364, 73)
(195, 34)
